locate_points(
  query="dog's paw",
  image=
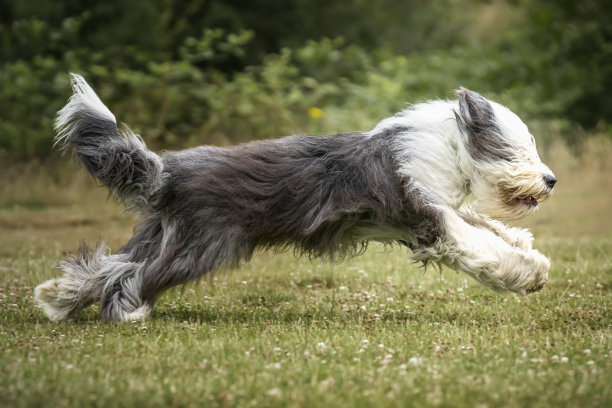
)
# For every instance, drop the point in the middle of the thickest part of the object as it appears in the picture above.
(55, 301)
(140, 313)
(541, 265)
(523, 272)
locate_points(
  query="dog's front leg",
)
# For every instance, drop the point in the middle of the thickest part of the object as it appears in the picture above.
(517, 237)
(487, 257)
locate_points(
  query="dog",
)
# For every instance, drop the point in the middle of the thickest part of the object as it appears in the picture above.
(438, 177)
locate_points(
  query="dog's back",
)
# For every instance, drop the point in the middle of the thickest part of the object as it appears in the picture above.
(325, 196)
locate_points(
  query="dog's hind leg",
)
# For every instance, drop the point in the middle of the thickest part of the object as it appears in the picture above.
(94, 275)
(86, 277)
(121, 296)
(127, 285)
(485, 256)
(182, 254)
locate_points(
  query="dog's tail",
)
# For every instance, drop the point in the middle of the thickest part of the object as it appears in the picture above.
(119, 159)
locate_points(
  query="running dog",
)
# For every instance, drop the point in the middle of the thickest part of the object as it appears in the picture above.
(438, 177)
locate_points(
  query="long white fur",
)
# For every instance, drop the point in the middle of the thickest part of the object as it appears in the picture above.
(439, 165)
(430, 151)
(84, 100)
(505, 262)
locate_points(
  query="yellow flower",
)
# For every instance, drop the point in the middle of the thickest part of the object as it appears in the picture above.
(315, 113)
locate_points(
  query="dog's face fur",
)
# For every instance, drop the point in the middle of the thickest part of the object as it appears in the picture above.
(509, 180)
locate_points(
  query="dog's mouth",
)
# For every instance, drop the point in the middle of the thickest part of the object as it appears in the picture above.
(527, 198)
(529, 201)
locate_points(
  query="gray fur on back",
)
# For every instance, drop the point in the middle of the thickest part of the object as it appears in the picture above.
(321, 196)
(308, 192)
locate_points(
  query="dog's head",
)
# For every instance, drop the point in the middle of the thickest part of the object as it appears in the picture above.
(509, 179)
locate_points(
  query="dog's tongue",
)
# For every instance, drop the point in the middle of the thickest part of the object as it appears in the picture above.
(528, 200)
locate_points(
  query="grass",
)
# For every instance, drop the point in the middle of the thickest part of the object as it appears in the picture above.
(375, 331)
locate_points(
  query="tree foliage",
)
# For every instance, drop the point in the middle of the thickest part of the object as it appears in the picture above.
(224, 71)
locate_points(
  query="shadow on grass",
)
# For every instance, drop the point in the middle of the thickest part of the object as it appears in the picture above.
(260, 312)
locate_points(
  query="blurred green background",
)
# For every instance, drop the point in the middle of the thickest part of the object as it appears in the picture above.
(183, 73)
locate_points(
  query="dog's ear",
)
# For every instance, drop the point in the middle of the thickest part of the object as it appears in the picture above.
(477, 118)
(475, 112)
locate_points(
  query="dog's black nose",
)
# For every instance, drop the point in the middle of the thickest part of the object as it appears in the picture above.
(550, 180)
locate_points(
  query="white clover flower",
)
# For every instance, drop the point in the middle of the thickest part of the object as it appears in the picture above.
(416, 361)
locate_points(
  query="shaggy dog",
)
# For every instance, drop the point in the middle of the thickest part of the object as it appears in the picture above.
(434, 177)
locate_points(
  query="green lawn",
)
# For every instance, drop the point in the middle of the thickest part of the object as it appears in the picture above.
(375, 331)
